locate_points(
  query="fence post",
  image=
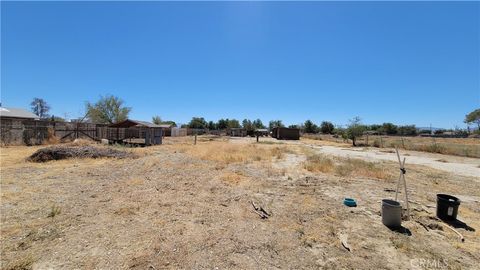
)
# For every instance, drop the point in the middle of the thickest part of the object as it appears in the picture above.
(37, 134)
(195, 142)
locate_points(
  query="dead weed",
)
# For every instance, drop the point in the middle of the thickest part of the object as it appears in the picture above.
(345, 167)
(228, 153)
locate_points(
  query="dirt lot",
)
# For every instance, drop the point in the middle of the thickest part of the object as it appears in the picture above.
(181, 205)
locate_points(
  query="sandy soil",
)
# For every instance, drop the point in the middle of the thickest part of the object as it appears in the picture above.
(176, 207)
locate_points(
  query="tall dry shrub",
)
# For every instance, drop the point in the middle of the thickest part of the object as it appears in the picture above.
(51, 138)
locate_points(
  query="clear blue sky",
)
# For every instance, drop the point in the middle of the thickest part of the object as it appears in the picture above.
(403, 62)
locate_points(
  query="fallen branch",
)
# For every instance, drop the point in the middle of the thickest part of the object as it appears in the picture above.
(260, 211)
(457, 232)
(343, 240)
(423, 225)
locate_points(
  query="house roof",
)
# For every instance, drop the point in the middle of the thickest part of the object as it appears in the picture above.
(130, 123)
(17, 113)
(165, 125)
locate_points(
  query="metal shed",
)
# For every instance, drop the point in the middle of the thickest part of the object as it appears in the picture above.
(167, 129)
(236, 132)
(261, 132)
(282, 133)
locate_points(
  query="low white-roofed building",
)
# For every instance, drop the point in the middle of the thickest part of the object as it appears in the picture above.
(16, 113)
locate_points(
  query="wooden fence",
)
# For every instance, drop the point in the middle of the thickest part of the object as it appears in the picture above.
(31, 132)
(34, 132)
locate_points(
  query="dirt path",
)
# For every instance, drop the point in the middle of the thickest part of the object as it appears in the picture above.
(455, 165)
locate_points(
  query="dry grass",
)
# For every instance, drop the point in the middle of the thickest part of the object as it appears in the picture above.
(228, 153)
(348, 167)
(324, 140)
(167, 209)
(51, 138)
(319, 163)
(357, 167)
(82, 142)
(126, 211)
(232, 177)
(466, 147)
(15, 154)
(22, 263)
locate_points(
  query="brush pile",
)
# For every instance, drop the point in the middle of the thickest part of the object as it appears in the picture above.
(66, 152)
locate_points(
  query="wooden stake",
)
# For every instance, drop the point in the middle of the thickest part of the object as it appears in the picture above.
(402, 179)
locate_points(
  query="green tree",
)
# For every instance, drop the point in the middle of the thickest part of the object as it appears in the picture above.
(222, 123)
(310, 127)
(107, 110)
(56, 118)
(355, 129)
(157, 120)
(375, 127)
(233, 123)
(340, 132)
(198, 122)
(275, 123)
(408, 130)
(258, 124)
(172, 123)
(212, 125)
(388, 128)
(248, 125)
(327, 127)
(473, 118)
(439, 131)
(40, 107)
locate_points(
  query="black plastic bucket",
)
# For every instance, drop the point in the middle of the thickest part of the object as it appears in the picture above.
(447, 207)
